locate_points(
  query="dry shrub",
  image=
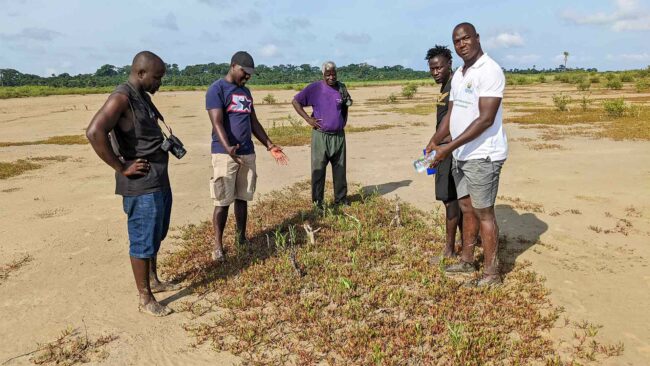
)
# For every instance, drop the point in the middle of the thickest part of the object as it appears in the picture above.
(417, 109)
(632, 211)
(545, 146)
(297, 133)
(55, 140)
(363, 293)
(634, 124)
(71, 348)
(13, 266)
(518, 203)
(18, 167)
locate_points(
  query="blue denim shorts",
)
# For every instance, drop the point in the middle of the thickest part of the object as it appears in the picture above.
(148, 221)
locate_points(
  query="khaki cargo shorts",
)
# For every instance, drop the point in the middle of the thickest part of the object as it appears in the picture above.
(232, 181)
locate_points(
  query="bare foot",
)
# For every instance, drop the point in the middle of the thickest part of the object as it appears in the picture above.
(218, 255)
(157, 286)
(155, 308)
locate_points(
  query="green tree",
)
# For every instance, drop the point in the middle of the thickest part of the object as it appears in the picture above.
(106, 70)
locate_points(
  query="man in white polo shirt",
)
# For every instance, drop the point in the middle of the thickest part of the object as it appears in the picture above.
(479, 147)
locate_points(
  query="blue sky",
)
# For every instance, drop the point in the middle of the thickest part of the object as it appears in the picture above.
(77, 36)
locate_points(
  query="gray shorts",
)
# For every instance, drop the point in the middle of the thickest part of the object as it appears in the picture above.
(478, 178)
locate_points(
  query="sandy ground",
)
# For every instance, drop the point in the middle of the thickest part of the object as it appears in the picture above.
(67, 218)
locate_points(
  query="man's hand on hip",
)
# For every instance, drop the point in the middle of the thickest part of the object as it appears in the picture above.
(135, 168)
(314, 122)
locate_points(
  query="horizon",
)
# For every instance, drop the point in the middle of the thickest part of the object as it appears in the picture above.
(76, 37)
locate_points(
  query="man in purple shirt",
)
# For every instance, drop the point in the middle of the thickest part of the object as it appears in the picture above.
(329, 100)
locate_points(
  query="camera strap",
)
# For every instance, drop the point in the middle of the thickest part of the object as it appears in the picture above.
(151, 110)
(343, 91)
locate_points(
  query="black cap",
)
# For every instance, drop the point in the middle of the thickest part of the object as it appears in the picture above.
(245, 60)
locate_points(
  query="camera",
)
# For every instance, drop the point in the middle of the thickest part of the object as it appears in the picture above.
(346, 100)
(173, 145)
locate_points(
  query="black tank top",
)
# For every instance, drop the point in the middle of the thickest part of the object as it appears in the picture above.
(141, 141)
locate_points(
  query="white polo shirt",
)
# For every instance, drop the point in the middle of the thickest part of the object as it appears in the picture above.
(483, 79)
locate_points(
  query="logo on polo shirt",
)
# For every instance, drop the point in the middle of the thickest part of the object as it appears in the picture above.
(468, 87)
(240, 103)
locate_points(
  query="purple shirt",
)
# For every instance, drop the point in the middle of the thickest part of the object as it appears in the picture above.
(326, 104)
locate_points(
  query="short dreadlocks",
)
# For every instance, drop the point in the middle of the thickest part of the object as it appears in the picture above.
(437, 51)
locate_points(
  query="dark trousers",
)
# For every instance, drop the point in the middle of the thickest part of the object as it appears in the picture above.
(328, 148)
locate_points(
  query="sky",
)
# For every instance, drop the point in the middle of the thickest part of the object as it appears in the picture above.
(47, 37)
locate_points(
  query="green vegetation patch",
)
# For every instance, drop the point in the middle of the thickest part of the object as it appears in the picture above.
(297, 133)
(618, 121)
(18, 167)
(55, 140)
(550, 116)
(363, 292)
(417, 109)
(290, 135)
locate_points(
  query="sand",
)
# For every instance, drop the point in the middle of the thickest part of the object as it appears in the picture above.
(67, 218)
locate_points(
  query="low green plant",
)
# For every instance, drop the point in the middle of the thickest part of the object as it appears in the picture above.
(594, 79)
(615, 107)
(584, 85)
(365, 297)
(585, 102)
(392, 98)
(561, 102)
(614, 84)
(409, 90)
(269, 99)
(627, 78)
(642, 85)
(541, 79)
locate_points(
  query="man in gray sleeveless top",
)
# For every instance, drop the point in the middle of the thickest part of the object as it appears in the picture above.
(133, 151)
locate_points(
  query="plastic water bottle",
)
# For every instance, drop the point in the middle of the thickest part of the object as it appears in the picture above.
(422, 164)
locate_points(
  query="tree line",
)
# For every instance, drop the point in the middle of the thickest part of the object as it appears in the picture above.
(205, 74)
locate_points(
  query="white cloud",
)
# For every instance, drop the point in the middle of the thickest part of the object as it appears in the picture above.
(270, 50)
(371, 61)
(249, 19)
(169, 22)
(640, 57)
(32, 33)
(506, 40)
(294, 23)
(522, 59)
(210, 37)
(627, 16)
(358, 38)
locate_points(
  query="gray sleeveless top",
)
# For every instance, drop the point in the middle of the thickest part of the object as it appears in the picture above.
(141, 141)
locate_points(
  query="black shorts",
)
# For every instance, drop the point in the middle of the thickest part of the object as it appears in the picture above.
(445, 185)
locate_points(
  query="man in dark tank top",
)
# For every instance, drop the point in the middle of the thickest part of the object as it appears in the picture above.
(140, 165)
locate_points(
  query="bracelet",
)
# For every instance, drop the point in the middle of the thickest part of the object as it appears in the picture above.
(270, 147)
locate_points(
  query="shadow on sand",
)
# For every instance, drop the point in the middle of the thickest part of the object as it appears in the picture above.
(518, 233)
(386, 188)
